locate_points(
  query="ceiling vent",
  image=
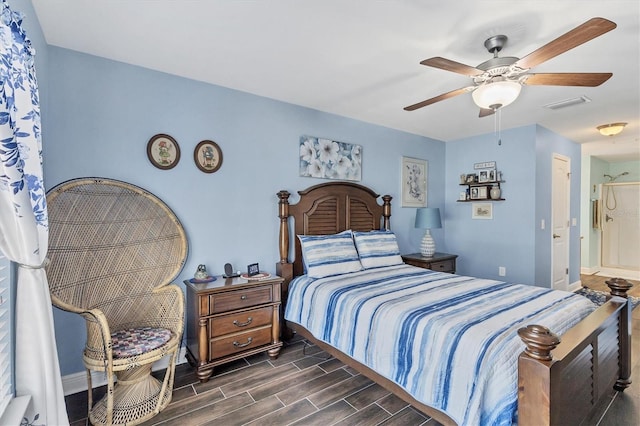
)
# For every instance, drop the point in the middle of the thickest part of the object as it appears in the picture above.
(568, 102)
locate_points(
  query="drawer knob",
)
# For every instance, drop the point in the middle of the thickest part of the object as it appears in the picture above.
(243, 324)
(242, 345)
(243, 297)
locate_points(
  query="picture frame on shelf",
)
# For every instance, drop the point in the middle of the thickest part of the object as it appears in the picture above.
(479, 193)
(471, 178)
(414, 182)
(483, 176)
(163, 151)
(493, 175)
(481, 211)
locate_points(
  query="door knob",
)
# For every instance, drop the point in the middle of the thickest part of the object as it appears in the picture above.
(556, 236)
(608, 218)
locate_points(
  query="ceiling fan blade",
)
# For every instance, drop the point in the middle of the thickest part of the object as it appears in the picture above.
(586, 79)
(484, 112)
(453, 66)
(439, 98)
(591, 29)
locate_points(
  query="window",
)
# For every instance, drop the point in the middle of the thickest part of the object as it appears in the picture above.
(6, 334)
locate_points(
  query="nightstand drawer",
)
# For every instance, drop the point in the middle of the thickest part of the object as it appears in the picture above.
(240, 321)
(418, 263)
(239, 299)
(440, 262)
(444, 266)
(239, 342)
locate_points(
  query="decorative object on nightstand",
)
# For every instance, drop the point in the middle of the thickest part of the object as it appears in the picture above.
(201, 275)
(427, 219)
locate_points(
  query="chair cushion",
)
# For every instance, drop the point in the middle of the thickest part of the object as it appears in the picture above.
(136, 341)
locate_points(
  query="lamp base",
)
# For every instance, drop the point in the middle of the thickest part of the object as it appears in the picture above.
(428, 245)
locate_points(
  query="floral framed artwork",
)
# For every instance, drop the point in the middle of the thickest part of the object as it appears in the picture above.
(414, 182)
(324, 158)
(163, 151)
(481, 211)
(208, 156)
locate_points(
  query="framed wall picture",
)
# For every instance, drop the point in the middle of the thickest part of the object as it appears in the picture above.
(163, 151)
(481, 211)
(329, 159)
(414, 182)
(208, 156)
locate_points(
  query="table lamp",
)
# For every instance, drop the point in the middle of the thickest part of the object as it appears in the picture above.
(428, 218)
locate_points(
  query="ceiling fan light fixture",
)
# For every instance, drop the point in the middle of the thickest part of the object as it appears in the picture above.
(497, 94)
(611, 129)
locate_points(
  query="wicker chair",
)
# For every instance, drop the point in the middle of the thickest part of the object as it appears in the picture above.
(114, 248)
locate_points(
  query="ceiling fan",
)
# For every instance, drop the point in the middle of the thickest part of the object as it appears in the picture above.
(497, 82)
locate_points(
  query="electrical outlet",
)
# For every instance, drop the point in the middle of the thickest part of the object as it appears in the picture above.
(502, 271)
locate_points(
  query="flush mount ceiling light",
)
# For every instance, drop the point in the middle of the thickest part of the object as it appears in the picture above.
(497, 94)
(611, 129)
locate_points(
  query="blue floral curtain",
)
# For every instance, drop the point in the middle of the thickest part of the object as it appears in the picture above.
(24, 226)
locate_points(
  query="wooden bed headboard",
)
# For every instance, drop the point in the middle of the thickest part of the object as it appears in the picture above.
(327, 208)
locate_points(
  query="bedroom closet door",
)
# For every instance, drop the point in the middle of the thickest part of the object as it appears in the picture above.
(560, 183)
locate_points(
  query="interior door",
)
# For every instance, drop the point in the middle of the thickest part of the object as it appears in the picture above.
(560, 188)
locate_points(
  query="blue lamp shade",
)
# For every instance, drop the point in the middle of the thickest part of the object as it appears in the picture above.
(427, 219)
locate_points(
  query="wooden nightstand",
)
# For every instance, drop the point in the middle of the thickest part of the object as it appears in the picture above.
(231, 318)
(441, 262)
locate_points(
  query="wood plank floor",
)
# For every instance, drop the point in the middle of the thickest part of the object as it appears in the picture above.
(306, 387)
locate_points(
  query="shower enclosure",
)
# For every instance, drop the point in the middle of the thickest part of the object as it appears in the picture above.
(620, 222)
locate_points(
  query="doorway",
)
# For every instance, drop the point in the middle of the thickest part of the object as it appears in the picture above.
(560, 198)
(620, 239)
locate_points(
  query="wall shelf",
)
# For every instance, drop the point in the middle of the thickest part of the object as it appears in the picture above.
(480, 191)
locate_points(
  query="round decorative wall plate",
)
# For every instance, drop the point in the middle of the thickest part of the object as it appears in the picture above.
(163, 151)
(208, 156)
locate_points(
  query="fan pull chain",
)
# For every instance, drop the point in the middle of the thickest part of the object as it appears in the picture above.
(496, 125)
(499, 126)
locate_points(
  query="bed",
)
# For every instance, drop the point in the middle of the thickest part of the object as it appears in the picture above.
(555, 380)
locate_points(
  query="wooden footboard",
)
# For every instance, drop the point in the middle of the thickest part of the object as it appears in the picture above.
(593, 358)
(559, 382)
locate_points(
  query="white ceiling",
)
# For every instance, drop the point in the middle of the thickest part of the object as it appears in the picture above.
(361, 59)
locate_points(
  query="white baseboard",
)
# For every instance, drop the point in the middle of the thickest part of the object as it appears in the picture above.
(575, 286)
(77, 382)
(589, 270)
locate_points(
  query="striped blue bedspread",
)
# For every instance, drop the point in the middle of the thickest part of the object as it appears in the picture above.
(451, 341)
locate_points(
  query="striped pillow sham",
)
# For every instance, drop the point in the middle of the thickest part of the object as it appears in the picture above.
(326, 255)
(377, 248)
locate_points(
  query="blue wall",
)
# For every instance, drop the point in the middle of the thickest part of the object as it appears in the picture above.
(102, 113)
(99, 114)
(506, 240)
(513, 238)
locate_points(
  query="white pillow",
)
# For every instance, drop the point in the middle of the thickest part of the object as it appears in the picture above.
(326, 255)
(377, 248)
